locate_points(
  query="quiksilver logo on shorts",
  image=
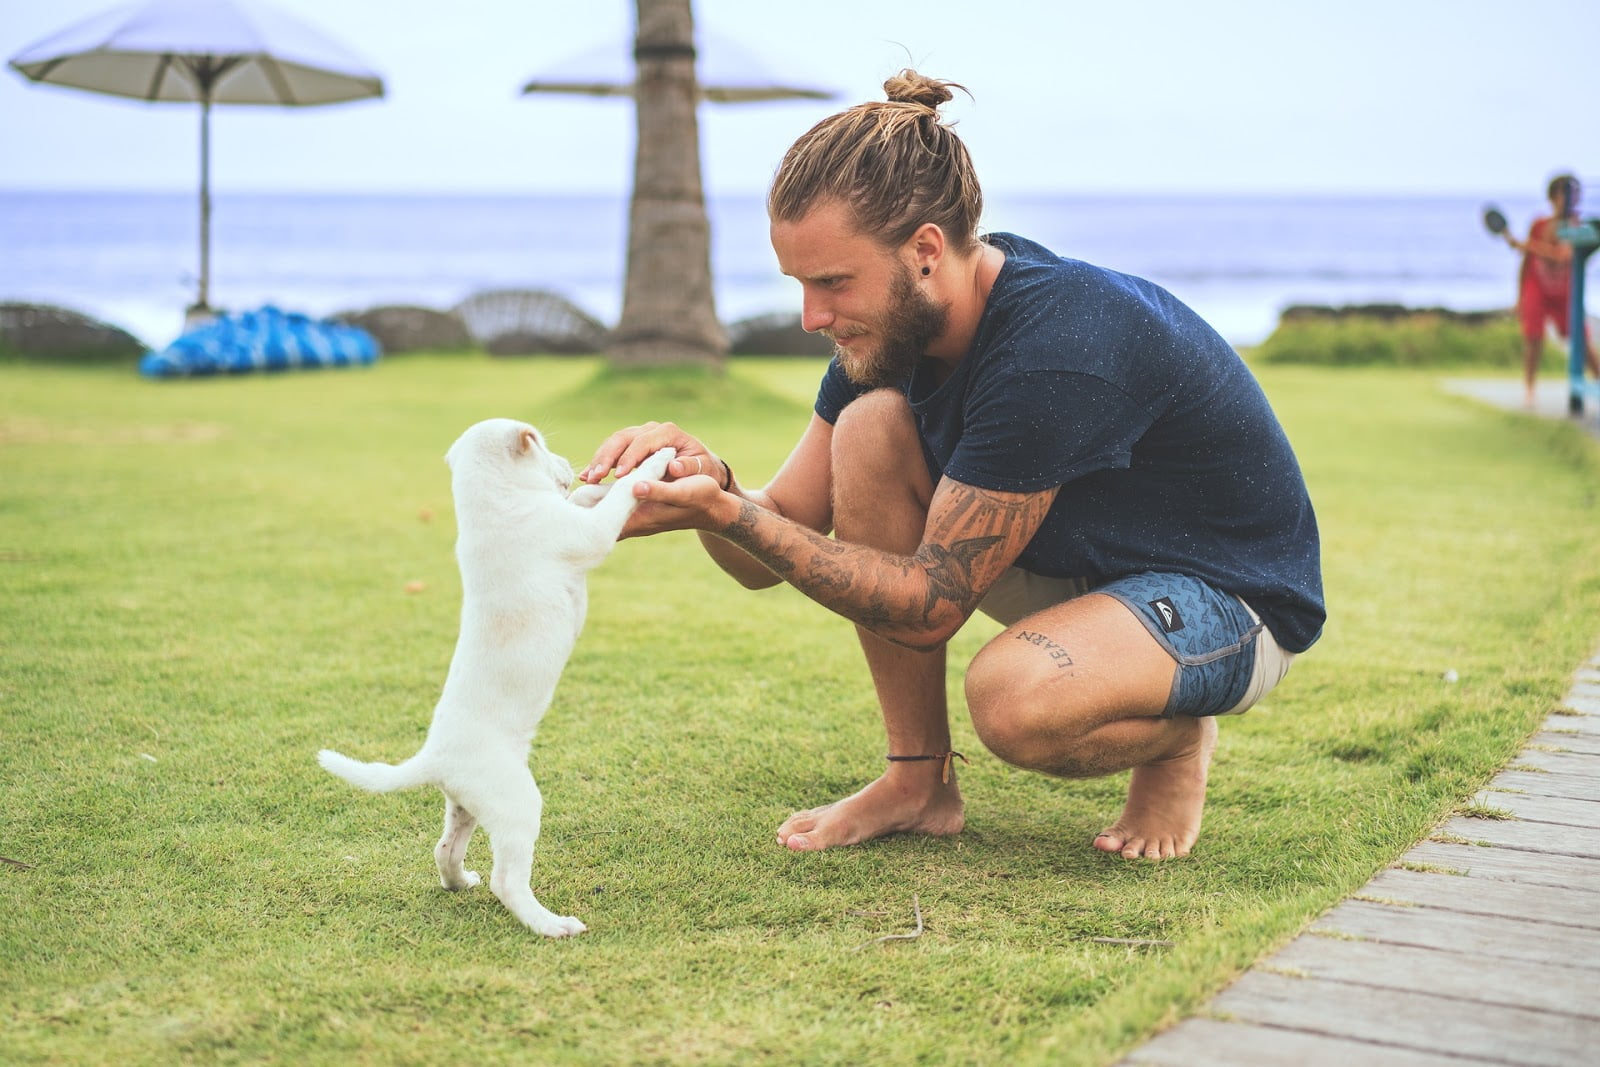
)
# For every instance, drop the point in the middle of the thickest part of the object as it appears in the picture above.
(1171, 621)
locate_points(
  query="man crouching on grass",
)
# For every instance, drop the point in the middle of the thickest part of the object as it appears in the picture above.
(1067, 449)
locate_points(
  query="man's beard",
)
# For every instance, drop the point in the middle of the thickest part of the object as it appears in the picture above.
(910, 324)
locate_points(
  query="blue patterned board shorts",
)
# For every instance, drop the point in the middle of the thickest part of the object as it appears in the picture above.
(1226, 659)
(1210, 633)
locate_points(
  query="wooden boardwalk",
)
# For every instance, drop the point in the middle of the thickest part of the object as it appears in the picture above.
(1487, 952)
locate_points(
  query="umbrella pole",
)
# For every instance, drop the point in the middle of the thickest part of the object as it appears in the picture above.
(203, 304)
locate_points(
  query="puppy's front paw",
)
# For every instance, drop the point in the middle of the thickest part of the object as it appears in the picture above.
(656, 466)
(560, 926)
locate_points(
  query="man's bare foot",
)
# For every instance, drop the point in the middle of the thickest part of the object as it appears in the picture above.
(1165, 801)
(909, 798)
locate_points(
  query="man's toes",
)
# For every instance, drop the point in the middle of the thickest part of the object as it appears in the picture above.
(801, 822)
(1164, 848)
(1133, 848)
(1108, 842)
(800, 843)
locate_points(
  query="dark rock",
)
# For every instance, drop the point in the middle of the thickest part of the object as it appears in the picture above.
(777, 334)
(407, 328)
(59, 335)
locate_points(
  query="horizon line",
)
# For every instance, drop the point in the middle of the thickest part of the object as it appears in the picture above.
(991, 193)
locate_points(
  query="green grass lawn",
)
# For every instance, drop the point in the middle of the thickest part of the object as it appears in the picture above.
(203, 582)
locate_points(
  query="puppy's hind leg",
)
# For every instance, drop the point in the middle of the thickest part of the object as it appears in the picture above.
(511, 818)
(452, 847)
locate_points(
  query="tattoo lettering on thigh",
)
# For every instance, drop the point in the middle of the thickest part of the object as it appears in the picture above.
(1060, 655)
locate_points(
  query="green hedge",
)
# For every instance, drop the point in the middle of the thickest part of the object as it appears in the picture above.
(1401, 338)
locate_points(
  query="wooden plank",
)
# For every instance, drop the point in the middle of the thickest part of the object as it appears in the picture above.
(1546, 785)
(1586, 722)
(1560, 811)
(1213, 1043)
(1583, 701)
(1411, 1020)
(1529, 836)
(1476, 896)
(1571, 742)
(1576, 763)
(1477, 935)
(1513, 983)
(1507, 865)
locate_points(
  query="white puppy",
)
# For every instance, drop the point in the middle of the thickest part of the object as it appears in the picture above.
(524, 547)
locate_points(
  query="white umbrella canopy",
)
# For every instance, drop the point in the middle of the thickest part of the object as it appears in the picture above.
(206, 52)
(727, 72)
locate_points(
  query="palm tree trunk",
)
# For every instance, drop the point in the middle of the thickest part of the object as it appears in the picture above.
(669, 312)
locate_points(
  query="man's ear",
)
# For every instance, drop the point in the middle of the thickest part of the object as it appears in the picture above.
(926, 248)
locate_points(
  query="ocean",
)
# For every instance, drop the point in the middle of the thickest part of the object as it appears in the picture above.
(132, 259)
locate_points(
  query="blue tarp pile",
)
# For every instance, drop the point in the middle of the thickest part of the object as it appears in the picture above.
(267, 339)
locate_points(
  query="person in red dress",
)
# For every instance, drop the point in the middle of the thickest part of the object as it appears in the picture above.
(1544, 283)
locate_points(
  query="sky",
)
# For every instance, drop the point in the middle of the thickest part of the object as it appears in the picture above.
(1472, 97)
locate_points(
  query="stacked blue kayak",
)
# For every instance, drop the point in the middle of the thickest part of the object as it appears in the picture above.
(267, 339)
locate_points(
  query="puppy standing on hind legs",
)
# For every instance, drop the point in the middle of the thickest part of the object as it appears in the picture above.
(524, 546)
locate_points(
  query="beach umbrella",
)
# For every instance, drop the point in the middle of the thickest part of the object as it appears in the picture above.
(727, 73)
(206, 52)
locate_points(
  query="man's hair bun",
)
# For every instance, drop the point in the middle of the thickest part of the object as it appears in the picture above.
(909, 87)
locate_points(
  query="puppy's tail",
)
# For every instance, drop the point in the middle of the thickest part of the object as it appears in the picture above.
(376, 777)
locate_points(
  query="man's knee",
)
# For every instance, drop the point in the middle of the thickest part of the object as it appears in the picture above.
(1018, 711)
(1061, 694)
(881, 485)
(875, 424)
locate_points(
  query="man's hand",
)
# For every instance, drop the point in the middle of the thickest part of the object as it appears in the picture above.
(686, 500)
(631, 446)
(694, 502)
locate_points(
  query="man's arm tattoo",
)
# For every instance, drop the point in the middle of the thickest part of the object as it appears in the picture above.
(952, 562)
(950, 573)
(981, 511)
(986, 518)
(742, 532)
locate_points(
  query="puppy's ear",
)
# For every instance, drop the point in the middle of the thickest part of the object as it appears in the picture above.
(526, 439)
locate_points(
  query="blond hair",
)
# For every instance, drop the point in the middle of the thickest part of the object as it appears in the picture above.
(892, 162)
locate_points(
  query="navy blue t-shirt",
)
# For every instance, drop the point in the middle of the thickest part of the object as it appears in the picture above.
(1168, 456)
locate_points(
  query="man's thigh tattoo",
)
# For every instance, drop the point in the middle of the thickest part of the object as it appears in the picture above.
(1055, 651)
